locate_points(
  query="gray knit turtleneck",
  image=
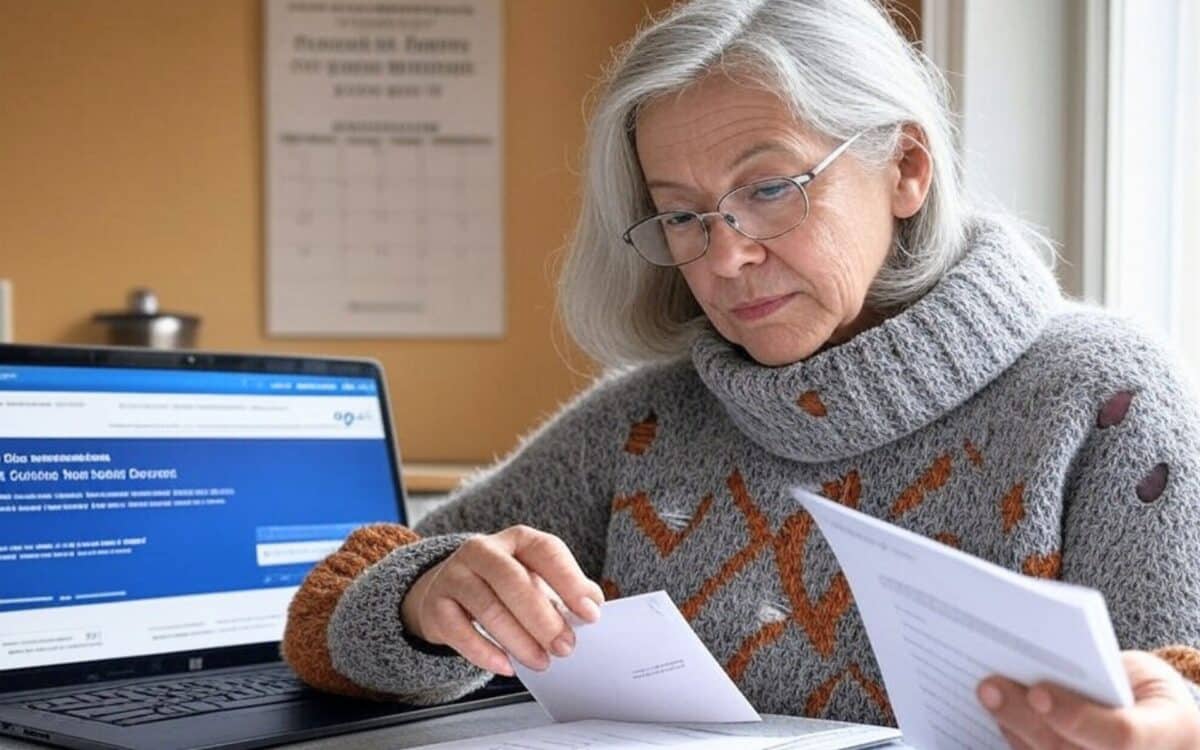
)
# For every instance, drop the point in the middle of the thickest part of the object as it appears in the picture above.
(989, 415)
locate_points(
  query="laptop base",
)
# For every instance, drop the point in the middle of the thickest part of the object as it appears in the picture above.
(310, 716)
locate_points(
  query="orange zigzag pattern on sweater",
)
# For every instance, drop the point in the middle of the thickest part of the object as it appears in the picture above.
(648, 520)
(819, 620)
(819, 698)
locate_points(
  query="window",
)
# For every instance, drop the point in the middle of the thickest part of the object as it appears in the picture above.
(1083, 116)
(1152, 203)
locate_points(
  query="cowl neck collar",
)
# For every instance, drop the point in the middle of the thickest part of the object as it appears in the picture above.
(900, 375)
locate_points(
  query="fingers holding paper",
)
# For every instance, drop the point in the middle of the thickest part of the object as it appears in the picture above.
(1164, 715)
(517, 585)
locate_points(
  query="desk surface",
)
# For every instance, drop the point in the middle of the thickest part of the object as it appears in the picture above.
(442, 729)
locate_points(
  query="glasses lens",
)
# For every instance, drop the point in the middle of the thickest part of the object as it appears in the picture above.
(669, 239)
(767, 209)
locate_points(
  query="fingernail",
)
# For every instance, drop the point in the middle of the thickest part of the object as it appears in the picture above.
(502, 666)
(991, 697)
(1040, 701)
(562, 646)
(588, 609)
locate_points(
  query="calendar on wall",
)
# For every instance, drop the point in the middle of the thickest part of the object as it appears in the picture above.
(383, 168)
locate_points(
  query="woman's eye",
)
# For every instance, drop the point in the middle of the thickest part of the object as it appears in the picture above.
(773, 190)
(673, 221)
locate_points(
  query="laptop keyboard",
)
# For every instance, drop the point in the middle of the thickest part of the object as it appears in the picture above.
(157, 701)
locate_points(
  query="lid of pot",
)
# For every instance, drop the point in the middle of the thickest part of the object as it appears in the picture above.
(143, 306)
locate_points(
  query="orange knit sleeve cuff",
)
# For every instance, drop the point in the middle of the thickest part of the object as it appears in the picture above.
(304, 644)
(1185, 659)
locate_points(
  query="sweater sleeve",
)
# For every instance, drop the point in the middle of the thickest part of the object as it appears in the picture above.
(305, 646)
(1132, 507)
(344, 630)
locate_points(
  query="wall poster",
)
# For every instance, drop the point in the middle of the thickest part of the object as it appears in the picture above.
(383, 168)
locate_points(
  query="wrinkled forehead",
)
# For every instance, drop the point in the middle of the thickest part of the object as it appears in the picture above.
(717, 125)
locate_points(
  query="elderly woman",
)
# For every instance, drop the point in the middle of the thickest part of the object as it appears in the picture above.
(775, 234)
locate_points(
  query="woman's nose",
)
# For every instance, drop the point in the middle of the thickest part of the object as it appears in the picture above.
(730, 251)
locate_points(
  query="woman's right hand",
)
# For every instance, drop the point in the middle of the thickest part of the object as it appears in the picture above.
(507, 582)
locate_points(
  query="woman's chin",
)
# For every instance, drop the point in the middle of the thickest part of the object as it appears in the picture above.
(782, 339)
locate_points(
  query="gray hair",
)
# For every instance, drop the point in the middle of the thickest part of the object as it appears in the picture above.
(840, 66)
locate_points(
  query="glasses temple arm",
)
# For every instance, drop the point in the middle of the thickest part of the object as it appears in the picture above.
(833, 155)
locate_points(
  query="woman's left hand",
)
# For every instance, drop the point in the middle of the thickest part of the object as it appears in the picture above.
(1045, 716)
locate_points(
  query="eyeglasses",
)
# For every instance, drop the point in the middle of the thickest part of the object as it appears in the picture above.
(762, 210)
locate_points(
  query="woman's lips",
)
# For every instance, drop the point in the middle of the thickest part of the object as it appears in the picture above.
(761, 308)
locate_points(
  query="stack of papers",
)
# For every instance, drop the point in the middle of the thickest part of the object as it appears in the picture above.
(613, 735)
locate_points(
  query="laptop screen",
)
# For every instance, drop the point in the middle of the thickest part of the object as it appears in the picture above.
(146, 511)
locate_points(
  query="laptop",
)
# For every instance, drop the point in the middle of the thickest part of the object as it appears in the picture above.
(157, 512)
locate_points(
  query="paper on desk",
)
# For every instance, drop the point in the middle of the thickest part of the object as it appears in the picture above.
(640, 661)
(615, 735)
(941, 620)
(608, 735)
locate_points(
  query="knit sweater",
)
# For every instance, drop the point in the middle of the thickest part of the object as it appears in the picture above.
(989, 415)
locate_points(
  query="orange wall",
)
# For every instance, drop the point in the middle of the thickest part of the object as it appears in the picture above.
(131, 153)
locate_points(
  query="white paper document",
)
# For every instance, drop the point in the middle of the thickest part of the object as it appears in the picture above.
(615, 735)
(609, 735)
(941, 620)
(640, 661)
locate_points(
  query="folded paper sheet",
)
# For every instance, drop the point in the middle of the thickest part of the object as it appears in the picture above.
(640, 661)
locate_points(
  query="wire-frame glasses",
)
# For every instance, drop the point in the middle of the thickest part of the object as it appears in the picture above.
(761, 210)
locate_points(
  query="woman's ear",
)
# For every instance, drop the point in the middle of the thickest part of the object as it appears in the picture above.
(913, 172)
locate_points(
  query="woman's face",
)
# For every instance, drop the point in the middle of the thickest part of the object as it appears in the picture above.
(781, 299)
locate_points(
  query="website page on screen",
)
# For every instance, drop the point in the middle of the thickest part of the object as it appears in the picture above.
(150, 511)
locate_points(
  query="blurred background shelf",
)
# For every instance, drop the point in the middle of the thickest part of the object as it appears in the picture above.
(428, 484)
